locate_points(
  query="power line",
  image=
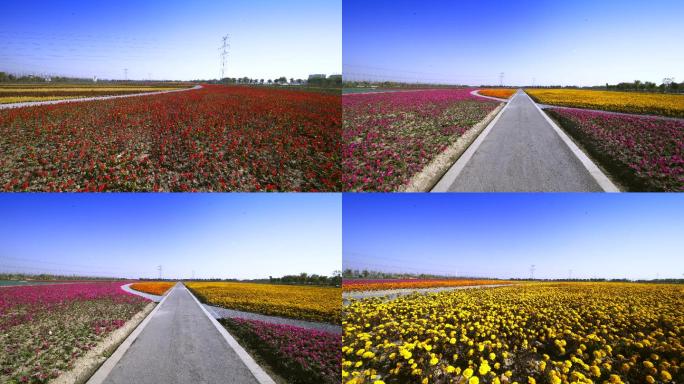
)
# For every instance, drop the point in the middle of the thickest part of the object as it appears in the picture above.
(224, 55)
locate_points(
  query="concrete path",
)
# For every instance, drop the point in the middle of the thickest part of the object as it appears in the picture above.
(82, 99)
(149, 296)
(391, 294)
(180, 344)
(222, 313)
(523, 150)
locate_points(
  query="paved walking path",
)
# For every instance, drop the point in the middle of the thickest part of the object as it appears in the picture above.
(522, 151)
(180, 344)
(149, 296)
(391, 294)
(82, 99)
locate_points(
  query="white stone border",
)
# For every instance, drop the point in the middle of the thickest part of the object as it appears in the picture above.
(259, 374)
(106, 368)
(595, 172)
(450, 176)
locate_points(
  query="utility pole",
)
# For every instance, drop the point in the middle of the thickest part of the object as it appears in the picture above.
(501, 77)
(532, 272)
(159, 268)
(224, 55)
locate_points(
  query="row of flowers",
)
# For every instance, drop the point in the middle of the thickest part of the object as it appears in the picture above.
(383, 284)
(45, 328)
(313, 303)
(217, 138)
(629, 102)
(389, 137)
(644, 153)
(153, 287)
(299, 355)
(534, 333)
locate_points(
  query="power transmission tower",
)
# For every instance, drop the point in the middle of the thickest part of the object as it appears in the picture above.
(501, 77)
(159, 268)
(224, 55)
(532, 272)
(126, 74)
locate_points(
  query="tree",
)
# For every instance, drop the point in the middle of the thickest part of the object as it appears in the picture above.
(282, 79)
(270, 81)
(261, 81)
(291, 80)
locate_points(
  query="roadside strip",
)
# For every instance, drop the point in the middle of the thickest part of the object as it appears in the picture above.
(104, 370)
(259, 374)
(595, 172)
(452, 173)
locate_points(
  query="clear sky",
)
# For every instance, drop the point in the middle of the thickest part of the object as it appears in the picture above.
(503, 235)
(542, 42)
(127, 235)
(171, 39)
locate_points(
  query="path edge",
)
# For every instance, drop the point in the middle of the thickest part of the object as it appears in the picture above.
(28, 104)
(448, 178)
(106, 368)
(435, 170)
(603, 181)
(259, 374)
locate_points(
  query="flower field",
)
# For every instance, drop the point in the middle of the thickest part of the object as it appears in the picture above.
(314, 303)
(534, 333)
(389, 137)
(644, 153)
(299, 355)
(501, 93)
(154, 287)
(44, 328)
(628, 102)
(383, 284)
(15, 93)
(217, 138)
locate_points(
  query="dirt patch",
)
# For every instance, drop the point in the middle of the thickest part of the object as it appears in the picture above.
(85, 366)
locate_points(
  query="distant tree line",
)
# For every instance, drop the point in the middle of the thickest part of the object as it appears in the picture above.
(395, 84)
(302, 279)
(658, 281)
(668, 86)
(332, 81)
(48, 277)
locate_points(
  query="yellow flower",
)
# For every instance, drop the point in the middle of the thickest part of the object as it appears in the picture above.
(474, 380)
(665, 376)
(467, 373)
(450, 369)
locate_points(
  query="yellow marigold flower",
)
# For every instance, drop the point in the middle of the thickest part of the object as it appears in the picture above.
(378, 382)
(434, 361)
(452, 340)
(492, 356)
(484, 368)
(665, 376)
(596, 371)
(450, 369)
(650, 379)
(425, 381)
(648, 364)
(368, 355)
(467, 373)
(531, 380)
(474, 380)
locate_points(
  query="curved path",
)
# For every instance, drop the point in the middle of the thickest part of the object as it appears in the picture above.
(522, 149)
(180, 343)
(79, 100)
(223, 313)
(391, 294)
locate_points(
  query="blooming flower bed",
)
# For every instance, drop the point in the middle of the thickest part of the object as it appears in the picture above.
(644, 153)
(389, 137)
(299, 355)
(45, 328)
(153, 287)
(534, 333)
(502, 93)
(628, 102)
(217, 138)
(382, 284)
(314, 303)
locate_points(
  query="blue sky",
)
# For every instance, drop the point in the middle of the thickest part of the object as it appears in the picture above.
(128, 235)
(578, 42)
(503, 235)
(171, 39)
